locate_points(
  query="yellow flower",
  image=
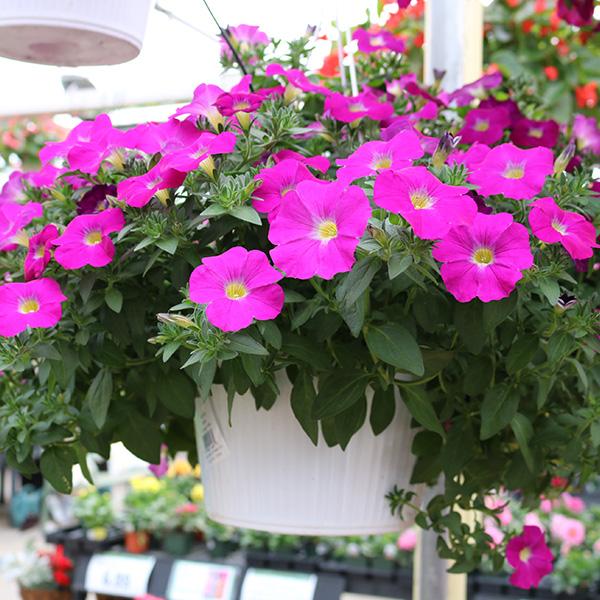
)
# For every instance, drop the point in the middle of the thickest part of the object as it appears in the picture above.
(179, 468)
(146, 484)
(86, 491)
(197, 471)
(197, 493)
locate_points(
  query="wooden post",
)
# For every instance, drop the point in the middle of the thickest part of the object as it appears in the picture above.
(454, 41)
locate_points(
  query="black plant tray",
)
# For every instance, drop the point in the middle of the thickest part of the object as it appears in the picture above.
(75, 540)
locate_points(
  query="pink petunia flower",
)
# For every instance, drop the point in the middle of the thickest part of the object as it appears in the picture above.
(409, 121)
(46, 176)
(514, 172)
(493, 531)
(39, 252)
(485, 259)
(85, 240)
(297, 79)
(511, 107)
(476, 89)
(533, 520)
(239, 105)
(373, 157)
(191, 157)
(317, 229)
(407, 540)
(484, 125)
(531, 558)
(277, 182)
(547, 505)
(551, 224)
(164, 137)
(13, 218)
(96, 199)
(501, 504)
(237, 286)
(13, 190)
(528, 133)
(430, 206)
(570, 532)
(396, 87)
(319, 163)
(352, 108)
(245, 38)
(202, 105)
(587, 134)
(576, 12)
(33, 304)
(471, 158)
(138, 191)
(81, 133)
(573, 503)
(369, 41)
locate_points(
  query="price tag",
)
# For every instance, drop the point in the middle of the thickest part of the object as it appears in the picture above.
(213, 442)
(119, 574)
(191, 580)
(262, 584)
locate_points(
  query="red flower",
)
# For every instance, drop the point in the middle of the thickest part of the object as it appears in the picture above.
(587, 95)
(513, 3)
(62, 579)
(331, 66)
(551, 73)
(527, 25)
(563, 48)
(418, 40)
(559, 482)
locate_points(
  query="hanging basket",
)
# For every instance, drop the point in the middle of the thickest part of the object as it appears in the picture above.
(264, 473)
(72, 32)
(39, 594)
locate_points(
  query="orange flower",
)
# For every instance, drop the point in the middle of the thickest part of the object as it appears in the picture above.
(587, 95)
(331, 66)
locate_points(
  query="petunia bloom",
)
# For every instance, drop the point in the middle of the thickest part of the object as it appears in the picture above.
(33, 304)
(430, 206)
(375, 41)
(352, 108)
(317, 229)
(514, 172)
(296, 78)
(484, 125)
(239, 105)
(374, 157)
(245, 38)
(39, 252)
(476, 89)
(531, 558)
(85, 240)
(202, 105)
(407, 540)
(95, 199)
(570, 532)
(276, 183)
(319, 163)
(576, 12)
(138, 191)
(485, 259)
(13, 218)
(528, 133)
(552, 225)
(587, 134)
(237, 286)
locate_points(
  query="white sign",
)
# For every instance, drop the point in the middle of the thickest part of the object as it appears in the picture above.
(261, 584)
(213, 442)
(201, 581)
(119, 574)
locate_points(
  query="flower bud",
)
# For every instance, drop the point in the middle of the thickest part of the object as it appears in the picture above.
(445, 146)
(179, 320)
(564, 158)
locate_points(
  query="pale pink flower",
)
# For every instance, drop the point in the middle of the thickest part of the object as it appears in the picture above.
(533, 520)
(493, 531)
(570, 532)
(407, 540)
(573, 503)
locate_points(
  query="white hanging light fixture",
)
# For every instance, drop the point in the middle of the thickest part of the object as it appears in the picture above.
(73, 32)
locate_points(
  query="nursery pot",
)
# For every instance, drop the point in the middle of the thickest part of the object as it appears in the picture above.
(177, 543)
(264, 473)
(72, 32)
(137, 542)
(41, 594)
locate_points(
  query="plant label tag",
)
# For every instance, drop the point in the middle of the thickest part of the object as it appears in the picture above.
(211, 436)
(263, 584)
(119, 574)
(191, 580)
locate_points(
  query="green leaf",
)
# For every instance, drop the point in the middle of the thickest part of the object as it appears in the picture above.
(306, 350)
(246, 213)
(47, 351)
(497, 410)
(496, 312)
(253, 365)
(169, 245)
(81, 453)
(245, 344)
(559, 345)
(393, 344)
(86, 284)
(142, 436)
(337, 392)
(214, 210)
(398, 264)
(544, 386)
(358, 280)
(56, 465)
(354, 315)
(270, 333)
(113, 299)
(468, 319)
(523, 431)
(383, 409)
(421, 409)
(595, 433)
(176, 392)
(99, 395)
(521, 353)
(478, 375)
(302, 400)
(350, 421)
(550, 289)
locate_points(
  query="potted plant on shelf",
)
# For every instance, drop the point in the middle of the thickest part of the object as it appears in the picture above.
(93, 509)
(41, 574)
(365, 294)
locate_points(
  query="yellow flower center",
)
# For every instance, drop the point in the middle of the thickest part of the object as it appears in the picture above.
(243, 105)
(93, 238)
(514, 171)
(381, 161)
(421, 199)
(28, 305)
(153, 183)
(327, 230)
(560, 227)
(236, 290)
(357, 107)
(536, 133)
(202, 150)
(483, 256)
(482, 125)
(39, 252)
(525, 554)
(377, 40)
(287, 189)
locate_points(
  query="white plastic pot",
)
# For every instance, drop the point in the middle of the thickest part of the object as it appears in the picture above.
(264, 473)
(73, 32)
